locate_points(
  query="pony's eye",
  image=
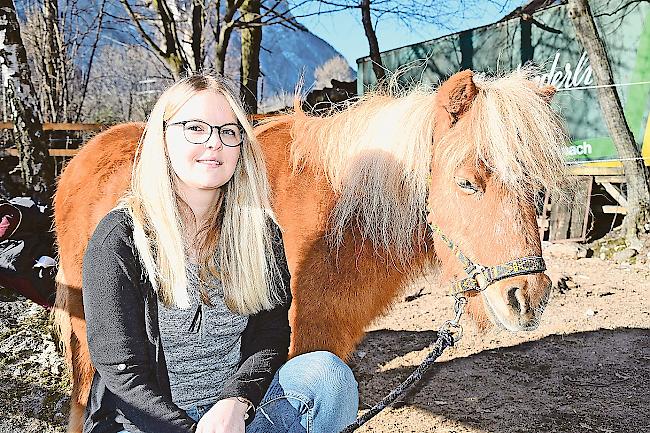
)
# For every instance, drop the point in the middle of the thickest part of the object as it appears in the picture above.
(467, 186)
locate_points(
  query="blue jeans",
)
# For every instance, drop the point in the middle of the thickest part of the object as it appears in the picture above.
(311, 393)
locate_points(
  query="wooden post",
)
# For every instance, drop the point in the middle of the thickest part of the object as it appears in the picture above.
(638, 194)
(251, 41)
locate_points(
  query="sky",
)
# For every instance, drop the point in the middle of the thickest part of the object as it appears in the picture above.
(344, 31)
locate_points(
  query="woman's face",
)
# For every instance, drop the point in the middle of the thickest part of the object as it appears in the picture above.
(207, 166)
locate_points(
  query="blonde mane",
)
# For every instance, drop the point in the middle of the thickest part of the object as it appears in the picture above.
(376, 154)
(512, 129)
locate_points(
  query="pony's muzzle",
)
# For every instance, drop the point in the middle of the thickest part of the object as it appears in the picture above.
(516, 303)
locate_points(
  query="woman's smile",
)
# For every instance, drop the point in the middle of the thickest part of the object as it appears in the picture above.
(210, 162)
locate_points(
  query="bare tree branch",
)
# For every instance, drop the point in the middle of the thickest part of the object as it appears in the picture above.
(100, 18)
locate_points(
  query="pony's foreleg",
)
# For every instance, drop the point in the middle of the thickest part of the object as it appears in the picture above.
(323, 318)
(318, 332)
(334, 304)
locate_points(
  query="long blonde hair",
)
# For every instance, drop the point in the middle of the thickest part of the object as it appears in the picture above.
(235, 243)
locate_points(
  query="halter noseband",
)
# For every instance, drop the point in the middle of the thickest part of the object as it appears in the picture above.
(480, 277)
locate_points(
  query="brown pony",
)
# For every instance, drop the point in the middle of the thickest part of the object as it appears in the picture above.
(350, 192)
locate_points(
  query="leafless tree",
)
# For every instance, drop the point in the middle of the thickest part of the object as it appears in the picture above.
(176, 31)
(37, 168)
(636, 176)
(335, 68)
(161, 25)
(222, 28)
(127, 80)
(56, 38)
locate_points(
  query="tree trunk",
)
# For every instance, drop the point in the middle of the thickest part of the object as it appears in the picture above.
(366, 19)
(251, 41)
(222, 35)
(177, 66)
(54, 63)
(37, 168)
(53, 84)
(198, 19)
(222, 48)
(173, 53)
(636, 176)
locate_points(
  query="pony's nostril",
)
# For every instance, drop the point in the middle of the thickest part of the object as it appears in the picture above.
(517, 300)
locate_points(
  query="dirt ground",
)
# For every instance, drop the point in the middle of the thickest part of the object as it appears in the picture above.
(585, 369)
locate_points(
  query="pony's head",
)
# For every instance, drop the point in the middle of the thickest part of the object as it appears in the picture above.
(496, 143)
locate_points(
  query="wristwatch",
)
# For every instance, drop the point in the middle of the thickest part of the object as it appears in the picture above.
(249, 405)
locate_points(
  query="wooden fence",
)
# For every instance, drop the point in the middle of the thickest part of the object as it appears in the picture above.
(64, 138)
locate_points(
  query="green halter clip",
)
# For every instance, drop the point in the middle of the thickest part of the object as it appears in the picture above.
(480, 277)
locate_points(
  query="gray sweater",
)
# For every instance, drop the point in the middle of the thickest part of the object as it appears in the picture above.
(201, 344)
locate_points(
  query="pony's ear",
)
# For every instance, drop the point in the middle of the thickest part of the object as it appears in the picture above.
(457, 94)
(547, 93)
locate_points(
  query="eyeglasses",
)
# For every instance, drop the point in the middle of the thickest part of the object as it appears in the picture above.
(199, 132)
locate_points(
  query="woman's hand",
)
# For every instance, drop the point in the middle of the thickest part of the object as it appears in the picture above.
(226, 416)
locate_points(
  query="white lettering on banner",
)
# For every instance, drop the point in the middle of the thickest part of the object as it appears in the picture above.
(568, 77)
(578, 149)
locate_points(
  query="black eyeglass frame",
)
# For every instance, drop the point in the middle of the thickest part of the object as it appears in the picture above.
(212, 128)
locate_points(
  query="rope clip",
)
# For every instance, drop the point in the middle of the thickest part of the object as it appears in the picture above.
(453, 326)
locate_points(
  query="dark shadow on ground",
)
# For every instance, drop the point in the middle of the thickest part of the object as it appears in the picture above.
(597, 381)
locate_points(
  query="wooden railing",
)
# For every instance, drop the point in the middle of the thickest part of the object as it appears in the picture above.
(53, 128)
(62, 126)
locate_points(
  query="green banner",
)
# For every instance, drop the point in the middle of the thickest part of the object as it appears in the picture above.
(548, 41)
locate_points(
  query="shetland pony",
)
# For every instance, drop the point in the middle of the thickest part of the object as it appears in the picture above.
(351, 192)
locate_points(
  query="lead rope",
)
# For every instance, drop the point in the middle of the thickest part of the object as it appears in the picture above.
(446, 338)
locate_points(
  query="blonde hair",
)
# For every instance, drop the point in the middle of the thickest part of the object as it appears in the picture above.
(235, 244)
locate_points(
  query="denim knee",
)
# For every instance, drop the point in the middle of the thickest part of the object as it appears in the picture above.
(312, 393)
(330, 379)
(323, 369)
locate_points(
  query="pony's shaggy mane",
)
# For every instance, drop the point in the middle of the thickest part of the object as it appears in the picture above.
(376, 153)
(512, 130)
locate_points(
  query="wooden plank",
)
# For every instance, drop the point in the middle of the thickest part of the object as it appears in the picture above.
(585, 170)
(542, 223)
(64, 152)
(62, 126)
(610, 179)
(569, 219)
(615, 193)
(53, 152)
(614, 209)
(580, 210)
(560, 220)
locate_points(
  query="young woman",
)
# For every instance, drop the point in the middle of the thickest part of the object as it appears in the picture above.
(186, 288)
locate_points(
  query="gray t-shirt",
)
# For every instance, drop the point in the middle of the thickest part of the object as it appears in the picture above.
(201, 344)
